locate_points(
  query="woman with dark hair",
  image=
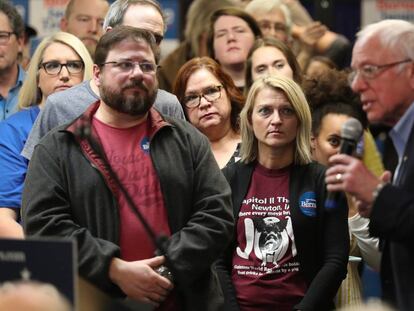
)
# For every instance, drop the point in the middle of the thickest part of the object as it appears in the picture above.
(288, 253)
(271, 56)
(212, 103)
(231, 35)
(332, 103)
(318, 65)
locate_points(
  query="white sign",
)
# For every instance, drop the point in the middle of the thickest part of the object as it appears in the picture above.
(45, 15)
(376, 10)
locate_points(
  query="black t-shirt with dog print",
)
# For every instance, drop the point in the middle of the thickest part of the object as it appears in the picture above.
(265, 269)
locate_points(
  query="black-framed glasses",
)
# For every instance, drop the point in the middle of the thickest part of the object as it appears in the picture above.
(54, 67)
(211, 94)
(158, 38)
(5, 36)
(369, 72)
(127, 66)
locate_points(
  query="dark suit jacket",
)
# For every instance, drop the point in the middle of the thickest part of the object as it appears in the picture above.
(392, 219)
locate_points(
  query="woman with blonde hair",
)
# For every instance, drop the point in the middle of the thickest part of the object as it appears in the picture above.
(59, 62)
(288, 253)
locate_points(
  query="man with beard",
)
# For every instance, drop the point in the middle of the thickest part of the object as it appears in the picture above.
(84, 19)
(164, 164)
(63, 107)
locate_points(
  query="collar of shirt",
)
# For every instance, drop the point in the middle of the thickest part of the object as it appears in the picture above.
(400, 133)
(20, 76)
(9, 105)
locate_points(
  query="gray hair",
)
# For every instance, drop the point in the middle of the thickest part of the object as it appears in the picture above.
(393, 34)
(117, 10)
(266, 6)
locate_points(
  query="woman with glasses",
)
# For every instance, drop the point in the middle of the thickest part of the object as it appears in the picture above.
(59, 62)
(231, 35)
(212, 103)
(288, 253)
(333, 103)
(271, 56)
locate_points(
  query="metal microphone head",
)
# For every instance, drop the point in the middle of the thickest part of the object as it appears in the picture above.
(352, 130)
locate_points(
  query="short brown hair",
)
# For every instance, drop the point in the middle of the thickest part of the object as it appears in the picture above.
(15, 20)
(123, 33)
(235, 96)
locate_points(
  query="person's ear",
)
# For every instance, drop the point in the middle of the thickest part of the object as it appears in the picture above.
(64, 24)
(96, 75)
(20, 44)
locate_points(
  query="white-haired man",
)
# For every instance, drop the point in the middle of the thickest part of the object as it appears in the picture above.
(383, 75)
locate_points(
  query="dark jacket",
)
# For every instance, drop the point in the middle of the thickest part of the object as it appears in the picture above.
(69, 193)
(392, 219)
(322, 241)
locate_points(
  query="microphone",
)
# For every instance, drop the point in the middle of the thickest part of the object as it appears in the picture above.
(351, 133)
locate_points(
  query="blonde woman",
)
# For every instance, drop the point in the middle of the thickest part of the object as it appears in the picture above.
(287, 253)
(59, 62)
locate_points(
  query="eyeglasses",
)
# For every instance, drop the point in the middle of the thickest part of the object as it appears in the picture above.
(266, 26)
(369, 72)
(158, 38)
(210, 94)
(128, 66)
(5, 36)
(54, 67)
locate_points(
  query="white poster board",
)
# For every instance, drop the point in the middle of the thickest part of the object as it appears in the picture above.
(376, 10)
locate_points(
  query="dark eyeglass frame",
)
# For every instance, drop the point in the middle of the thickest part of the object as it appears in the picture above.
(370, 72)
(158, 38)
(7, 35)
(188, 100)
(277, 27)
(61, 65)
(119, 65)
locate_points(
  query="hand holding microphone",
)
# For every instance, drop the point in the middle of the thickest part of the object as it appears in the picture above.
(349, 174)
(351, 133)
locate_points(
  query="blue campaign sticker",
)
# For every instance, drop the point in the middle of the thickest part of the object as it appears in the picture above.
(145, 144)
(307, 203)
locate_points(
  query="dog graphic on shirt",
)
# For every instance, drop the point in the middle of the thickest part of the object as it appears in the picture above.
(272, 239)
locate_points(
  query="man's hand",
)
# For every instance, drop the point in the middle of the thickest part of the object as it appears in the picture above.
(139, 281)
(365, 209)
(350, 175)
(310, 34)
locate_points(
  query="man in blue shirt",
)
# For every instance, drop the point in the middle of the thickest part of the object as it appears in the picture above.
(11, 45)
(383, 75)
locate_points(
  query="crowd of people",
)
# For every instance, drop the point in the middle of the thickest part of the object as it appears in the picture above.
(201, 184)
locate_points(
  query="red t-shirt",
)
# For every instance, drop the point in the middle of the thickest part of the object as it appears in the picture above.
(265, 269)
(127, 150)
